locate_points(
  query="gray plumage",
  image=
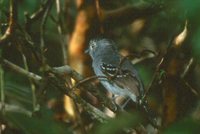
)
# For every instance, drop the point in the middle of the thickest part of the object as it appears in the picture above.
(106, 60)
(121, 78)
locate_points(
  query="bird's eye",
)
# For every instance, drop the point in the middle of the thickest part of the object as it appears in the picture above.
(92, 45)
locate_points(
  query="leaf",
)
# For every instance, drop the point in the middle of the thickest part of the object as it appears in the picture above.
(117, 125)
(187, 126)
(43, 124)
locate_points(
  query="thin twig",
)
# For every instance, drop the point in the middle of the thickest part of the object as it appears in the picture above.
(42, 28)
(60, 84)
(12, 22)
(60, 31)
(194, 91)
(15, 109)
(158, 67)
(187, 68)
(30, 19)
(58, 10)
(31, 83)
(140, 58)
(20, 70)
(42, 14)
(88, 79)
(185, 72)
(153, 79)
(96, 113)
(64, 56)
(67, 70)
(2, 86)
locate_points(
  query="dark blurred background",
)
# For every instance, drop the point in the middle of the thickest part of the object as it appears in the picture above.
(56, 33)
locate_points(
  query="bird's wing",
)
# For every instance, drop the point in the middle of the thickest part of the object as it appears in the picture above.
(123, 78)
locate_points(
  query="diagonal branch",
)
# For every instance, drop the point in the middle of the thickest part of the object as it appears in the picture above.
(20, 70)
(12, 22)
(93, 111)
(66, 70)
(30, 19)
(14, 108)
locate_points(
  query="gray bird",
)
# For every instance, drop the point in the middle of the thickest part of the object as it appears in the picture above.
(119, 75)
(121, 78)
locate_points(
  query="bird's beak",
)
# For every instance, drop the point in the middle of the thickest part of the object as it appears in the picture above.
(87, 51)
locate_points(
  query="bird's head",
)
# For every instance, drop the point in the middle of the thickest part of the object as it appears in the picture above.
(101, 47)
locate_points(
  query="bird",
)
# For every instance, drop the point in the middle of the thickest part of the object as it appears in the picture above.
(121, 77)
(118, 75)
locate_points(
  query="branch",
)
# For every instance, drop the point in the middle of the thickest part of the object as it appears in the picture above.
(96, 113)
(42, 14)
(2, 91)
(59, 84)
(14, 108)
(20, 70)
(66, 70)
(88, 79)
(11, 26)
(42, 28)
(60, 28)
(37, 15)
(186, 71)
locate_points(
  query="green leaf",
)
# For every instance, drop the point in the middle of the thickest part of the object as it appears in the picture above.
(187, 126)
(196, 44)
(43, 124)
(17, 90)
(145, 73)
(119, 124)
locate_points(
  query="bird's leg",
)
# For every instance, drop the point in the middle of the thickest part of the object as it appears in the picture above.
(125, 103)
(113, 98)
(120, 107)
